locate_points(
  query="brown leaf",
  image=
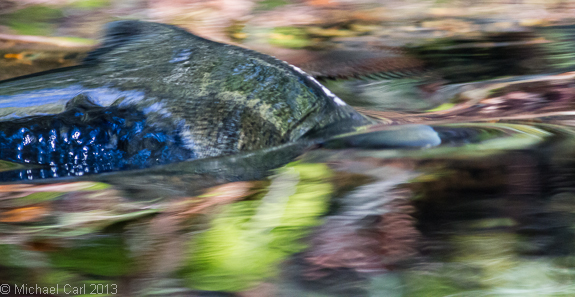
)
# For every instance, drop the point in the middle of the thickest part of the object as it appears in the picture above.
(41, 246)
(165, 244)
(223, 194)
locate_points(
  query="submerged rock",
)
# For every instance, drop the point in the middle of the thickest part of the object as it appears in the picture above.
(155, 94)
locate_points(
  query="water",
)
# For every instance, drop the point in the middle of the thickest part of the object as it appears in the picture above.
(465, 189)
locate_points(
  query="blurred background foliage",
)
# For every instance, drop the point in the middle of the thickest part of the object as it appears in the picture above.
(484, 213)
(265, 24)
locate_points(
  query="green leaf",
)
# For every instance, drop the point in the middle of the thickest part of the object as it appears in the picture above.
(289, 37)
(444, 106)
(33, 20)
(37, 198)
(270, 4)
(104, 255)
(91, 4)
(248, 239)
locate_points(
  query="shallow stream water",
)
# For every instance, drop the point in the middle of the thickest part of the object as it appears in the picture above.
(465, 188)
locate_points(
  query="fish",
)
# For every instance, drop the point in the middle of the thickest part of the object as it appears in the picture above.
(155, 94)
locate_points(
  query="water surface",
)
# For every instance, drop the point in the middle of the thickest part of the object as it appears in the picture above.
(465, 188)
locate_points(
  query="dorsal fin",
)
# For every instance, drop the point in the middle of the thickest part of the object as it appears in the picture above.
(81, 101)
(116, 34)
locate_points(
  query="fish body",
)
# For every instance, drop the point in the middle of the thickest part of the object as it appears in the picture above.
(154, 94)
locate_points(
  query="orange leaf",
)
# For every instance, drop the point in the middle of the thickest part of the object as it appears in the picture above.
(24, 214)
(14, 188)
(19, 56)
(320, 2)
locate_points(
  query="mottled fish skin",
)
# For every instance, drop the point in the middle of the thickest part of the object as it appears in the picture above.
(219, 99)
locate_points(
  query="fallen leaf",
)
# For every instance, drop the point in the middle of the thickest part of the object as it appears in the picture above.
(223, 194)
(41, 246)
(58, 187)
(320, 2)
(23, 214)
